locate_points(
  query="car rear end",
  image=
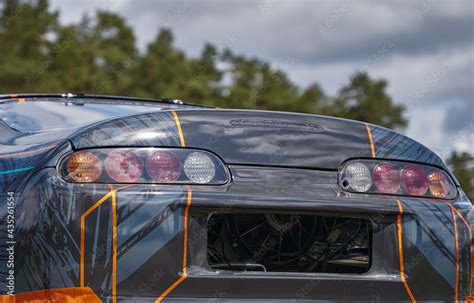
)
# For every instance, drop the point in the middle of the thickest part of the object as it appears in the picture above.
(243, 206)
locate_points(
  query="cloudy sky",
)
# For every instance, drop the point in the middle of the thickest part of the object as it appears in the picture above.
(425, 49)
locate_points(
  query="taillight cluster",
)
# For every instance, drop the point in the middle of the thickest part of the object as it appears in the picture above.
(396, 178)
(144, 165)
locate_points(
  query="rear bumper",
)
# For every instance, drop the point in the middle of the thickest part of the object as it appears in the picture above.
(147, 242)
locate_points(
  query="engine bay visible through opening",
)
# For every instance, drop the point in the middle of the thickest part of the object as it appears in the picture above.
(276, 242)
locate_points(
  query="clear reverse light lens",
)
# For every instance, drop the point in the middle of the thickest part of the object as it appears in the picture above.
(358, 177)
(199, 168)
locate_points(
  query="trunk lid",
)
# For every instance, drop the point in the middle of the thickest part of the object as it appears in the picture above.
(258, 137)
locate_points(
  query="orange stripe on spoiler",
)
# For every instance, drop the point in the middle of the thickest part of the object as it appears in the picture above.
(371, 139)
(180, 130)
(400, 251)
(60, 295)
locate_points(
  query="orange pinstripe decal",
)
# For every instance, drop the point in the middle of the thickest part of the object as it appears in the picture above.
(470, 246)
(461, 217)
(371, 139)
(456, 294)
(185, 251)
(113, 193)
(459, 214)
(400, 250)
(28, 152)
(114, 247)
(180, 130)
(186, 212)
(83, 220)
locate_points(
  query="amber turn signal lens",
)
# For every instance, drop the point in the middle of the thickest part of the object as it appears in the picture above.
(84, 167)
(438, 184)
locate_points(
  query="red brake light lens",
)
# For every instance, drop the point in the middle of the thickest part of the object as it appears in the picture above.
(163, 166)
(124, 166)
(414, 180)
(387, 178)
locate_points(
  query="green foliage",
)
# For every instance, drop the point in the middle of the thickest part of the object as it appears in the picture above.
(25, 29)
(365, 99)
(161, 70)
(462, 165)
(94, 56)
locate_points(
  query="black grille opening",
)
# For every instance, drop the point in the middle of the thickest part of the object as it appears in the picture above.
(276, 242)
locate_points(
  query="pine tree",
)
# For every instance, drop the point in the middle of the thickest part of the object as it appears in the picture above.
(462, 165)
(27, 29)
(366, 99)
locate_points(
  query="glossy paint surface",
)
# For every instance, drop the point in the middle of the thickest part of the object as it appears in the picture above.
(49, 115)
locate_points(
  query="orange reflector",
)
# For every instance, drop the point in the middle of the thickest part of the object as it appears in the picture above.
(84, 167)
(438, 184)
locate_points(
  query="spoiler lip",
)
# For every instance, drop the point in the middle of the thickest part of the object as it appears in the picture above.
(71, 97)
